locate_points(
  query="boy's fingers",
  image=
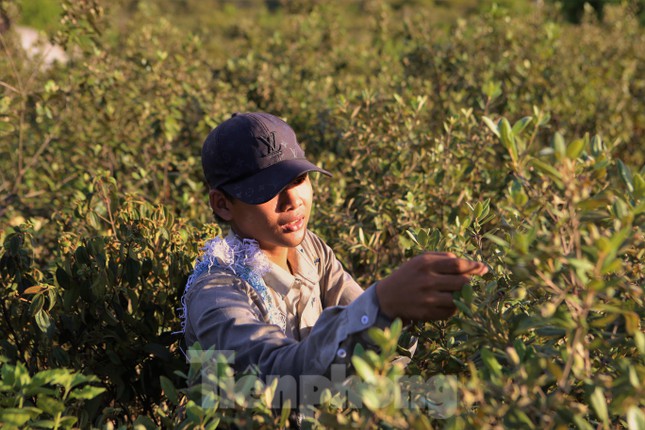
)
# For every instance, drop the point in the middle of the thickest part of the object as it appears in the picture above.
(455, 266)
(443, 300)
(482, 271)
(447, 282)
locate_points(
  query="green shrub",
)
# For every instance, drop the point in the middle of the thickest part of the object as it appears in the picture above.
(40, 14)
(108, 304)
(51, 398)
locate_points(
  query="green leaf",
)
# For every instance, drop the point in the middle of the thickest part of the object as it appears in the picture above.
(67, 422)
(171, 127)
(512, 355)
(582, 267)
(78, 378)
(53, 377)
(477, 210)
(144, 422)
(36, 304)
(284, 415)
(492, 89)
(51, 295)
(626, 175)
(497, 240)
(520, 347)
(599, 404)
(639, 186)
(43, 320)
(195, 413)
(520, 125)
(559, 145)
(463, 308)
(491, 125)
(635, 418)
(639, 340)
(597, 146)
(87, 392)
(491, 362)
(575, 148)
(169, 390)
(547, 170)
(582, 423)
(18, 416)
(214, 422)
(35, 389)
(517, 193)
(633, 377)
(93, 220)
(632, 322)
(467, 294)
(370, 399)
(50, 405)
(508, 139)
(377, 335)
(618, 239)
(518, 419)
(396, 328)
(364, 370)
(43, 424)
(359, 349)
(6, 127)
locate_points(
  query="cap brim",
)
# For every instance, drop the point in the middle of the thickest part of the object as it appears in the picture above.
(266, 184)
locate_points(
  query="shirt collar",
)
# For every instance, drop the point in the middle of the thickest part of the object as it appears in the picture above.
(281, 280)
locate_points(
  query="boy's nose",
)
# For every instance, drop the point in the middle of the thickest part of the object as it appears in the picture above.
(290, 198)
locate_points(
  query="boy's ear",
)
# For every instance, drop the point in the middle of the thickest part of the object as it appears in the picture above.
(220, 204)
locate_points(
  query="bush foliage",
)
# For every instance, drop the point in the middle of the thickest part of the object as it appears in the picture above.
(506, 135)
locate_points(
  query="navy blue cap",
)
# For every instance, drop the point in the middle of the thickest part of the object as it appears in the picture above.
(253, 156)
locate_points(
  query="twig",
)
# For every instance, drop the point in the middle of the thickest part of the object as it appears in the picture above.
(12, 64)
(33, 159)
(20, 90)
(9, 87)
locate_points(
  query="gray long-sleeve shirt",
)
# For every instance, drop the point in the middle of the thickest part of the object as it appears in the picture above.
(325, 313)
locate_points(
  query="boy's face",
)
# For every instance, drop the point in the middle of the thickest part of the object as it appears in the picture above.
(281, 222)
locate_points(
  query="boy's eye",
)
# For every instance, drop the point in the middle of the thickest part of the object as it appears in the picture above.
(300, 179)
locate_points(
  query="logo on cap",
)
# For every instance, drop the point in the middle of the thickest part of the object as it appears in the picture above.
(270, 148)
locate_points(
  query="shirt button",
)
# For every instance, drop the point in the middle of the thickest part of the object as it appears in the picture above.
(365, 319)
(341, 353)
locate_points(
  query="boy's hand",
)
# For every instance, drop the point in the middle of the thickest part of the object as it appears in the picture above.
(421, 289)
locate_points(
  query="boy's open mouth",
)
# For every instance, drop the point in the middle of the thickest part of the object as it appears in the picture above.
(294, 225)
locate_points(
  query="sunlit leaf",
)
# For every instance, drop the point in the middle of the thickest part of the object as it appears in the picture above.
(364, 370)
(491, 125)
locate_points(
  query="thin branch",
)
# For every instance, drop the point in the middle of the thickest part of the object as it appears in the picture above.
(20, 91)
(32, 194)
(12, 64)
(34, 157)
(9, 87)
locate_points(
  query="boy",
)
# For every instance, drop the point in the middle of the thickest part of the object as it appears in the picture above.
(273, 291)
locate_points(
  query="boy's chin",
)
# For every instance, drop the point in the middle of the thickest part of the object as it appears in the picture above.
(295, 238)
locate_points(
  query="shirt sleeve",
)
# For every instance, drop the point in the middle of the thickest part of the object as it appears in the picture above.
(223, 312)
